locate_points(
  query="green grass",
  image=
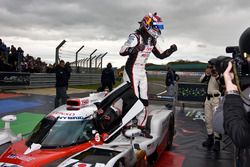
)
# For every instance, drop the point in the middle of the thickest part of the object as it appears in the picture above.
(25, 122)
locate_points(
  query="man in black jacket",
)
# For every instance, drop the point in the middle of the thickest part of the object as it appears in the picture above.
(237, 107)
(170, 79)
(108, 78)
(61, 84)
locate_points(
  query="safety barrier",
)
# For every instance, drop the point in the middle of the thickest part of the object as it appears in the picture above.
(10, 80)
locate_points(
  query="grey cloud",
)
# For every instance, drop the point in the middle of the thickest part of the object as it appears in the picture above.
(213, 23)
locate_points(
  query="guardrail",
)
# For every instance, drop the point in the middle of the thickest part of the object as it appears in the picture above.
(9, 80)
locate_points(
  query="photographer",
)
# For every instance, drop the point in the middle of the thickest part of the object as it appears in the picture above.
(213, 79)
(237, 103)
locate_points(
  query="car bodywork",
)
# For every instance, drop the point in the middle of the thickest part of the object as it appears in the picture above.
(92, 125)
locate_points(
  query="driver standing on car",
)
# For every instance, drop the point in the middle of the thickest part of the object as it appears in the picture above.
(138, 47)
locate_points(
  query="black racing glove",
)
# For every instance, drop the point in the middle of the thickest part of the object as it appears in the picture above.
(173, 48)
(136, 49)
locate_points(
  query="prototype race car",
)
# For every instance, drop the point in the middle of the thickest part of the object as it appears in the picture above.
(94, 131)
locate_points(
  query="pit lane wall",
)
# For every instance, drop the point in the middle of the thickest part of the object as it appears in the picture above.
(13, 80)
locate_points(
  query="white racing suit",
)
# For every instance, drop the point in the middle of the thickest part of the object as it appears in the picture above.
(134, 70)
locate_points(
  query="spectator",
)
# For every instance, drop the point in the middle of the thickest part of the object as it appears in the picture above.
(13, 59)
(107, 78)
(3, 51)
(169, 81)
(212, 78)
(19, 58)
(68, 74)
(49, 69)
(237, 107)
(13, 56)
(61, 84)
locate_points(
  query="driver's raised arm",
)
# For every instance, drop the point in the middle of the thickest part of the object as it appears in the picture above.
(161, 55)
(129, 45)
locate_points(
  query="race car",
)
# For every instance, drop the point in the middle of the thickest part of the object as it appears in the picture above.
(108, 155)
(93, 125)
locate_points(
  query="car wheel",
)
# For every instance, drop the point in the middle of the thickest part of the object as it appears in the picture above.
(119, 163)
(170, 134)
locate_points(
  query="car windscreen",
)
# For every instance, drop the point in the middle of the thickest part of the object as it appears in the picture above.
(61, 133)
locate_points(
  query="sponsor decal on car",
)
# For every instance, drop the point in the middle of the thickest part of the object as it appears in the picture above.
(84, 101)
(79, 164)
(72, 118)
(97, 137)
(21, 157)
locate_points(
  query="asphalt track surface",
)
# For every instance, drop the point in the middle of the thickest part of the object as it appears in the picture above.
(186, 151)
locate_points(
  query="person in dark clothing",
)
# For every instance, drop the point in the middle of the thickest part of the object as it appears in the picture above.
(61, 84)
(107, 78)
(68, 72)
(237, 107)
(169, 81)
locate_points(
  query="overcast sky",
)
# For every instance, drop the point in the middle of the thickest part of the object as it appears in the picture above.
(200, 28)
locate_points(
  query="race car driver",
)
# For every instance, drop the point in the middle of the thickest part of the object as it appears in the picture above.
(138, 47)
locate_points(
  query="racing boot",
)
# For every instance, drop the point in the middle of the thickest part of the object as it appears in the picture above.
(209, 142)
(216, 146)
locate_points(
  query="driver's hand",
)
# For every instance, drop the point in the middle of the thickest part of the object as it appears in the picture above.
(173, 48)
(228, 77)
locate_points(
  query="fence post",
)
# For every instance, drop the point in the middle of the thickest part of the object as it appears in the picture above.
(77, 55)
(102, 58)
(57, 51)
(90, 59)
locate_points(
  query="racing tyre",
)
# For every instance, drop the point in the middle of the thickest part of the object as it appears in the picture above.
(170, 134)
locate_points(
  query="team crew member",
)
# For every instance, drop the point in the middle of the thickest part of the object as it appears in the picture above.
(61, 84)
(213, 79)
(108, 78)
(138, 47)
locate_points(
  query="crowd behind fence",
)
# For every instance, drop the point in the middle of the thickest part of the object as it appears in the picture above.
(13, 59)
